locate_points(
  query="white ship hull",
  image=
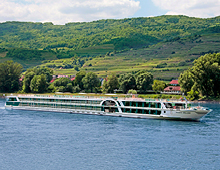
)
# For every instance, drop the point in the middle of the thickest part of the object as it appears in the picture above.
(173, 114)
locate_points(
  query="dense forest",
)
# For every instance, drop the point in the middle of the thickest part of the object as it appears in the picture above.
(122, 33)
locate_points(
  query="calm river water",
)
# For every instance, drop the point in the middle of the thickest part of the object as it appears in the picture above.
(60, 141)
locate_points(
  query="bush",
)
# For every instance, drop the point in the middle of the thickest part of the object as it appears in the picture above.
(193, 95)
(161, 65)
(51, 88)
(182, 63)
(132, 91)
(76, 89)
(61, 89)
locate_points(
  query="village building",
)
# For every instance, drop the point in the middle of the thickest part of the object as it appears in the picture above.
(71, 77)
(173, 88)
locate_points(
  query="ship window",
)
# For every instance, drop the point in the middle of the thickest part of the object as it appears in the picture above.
(109, 103)
(139, 110)
(127, 110)
(12, 99)
(153, 105)
(180, 105)
(153, 112)
(126, 103)
(133, 110)
(140, 104)
(168, 105)
(159, 105)
(146, 104)
(146, 111)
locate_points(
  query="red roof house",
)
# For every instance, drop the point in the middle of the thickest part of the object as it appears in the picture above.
(172, 89)
(52, 80)
(174, 82)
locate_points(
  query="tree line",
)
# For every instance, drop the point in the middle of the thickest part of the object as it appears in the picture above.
(201, 80)
(37, 80)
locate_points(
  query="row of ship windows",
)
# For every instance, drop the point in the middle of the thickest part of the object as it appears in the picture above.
(125, 110)
(142, 104)
(61, 100)
(126, 103)
(142, 111)
(61, 106)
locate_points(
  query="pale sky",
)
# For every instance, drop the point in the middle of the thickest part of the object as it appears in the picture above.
(64, 11)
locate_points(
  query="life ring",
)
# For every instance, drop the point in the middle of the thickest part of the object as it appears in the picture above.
(174, 107)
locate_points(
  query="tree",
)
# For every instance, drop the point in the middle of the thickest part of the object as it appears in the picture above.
(61, 85)
(46, 71)
(27, 81)
(76, 68)
(78, 80)
(69, 87)
(186, 81)
(206, 73)
(193, 95)
(204, 76)
(127, 82)
(76, 89)
(144, 82)
(91, 82)
(29, 75)
(158, 85)
(10, 73)
(132, 91)
(111, 84)
(38, 84)
(105, 86)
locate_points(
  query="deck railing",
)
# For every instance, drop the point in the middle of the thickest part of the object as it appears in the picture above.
(100, 98)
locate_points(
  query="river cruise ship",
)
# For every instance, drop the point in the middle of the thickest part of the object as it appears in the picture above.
(110, 106)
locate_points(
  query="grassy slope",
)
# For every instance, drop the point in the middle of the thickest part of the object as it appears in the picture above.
(29, 63)
(47, 55)
(185, 50)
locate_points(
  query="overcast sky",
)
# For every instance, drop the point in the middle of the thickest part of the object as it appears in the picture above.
(64, 11)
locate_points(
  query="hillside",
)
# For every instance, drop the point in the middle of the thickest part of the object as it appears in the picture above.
(165, 60)
(123, 33)
(164, 45)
